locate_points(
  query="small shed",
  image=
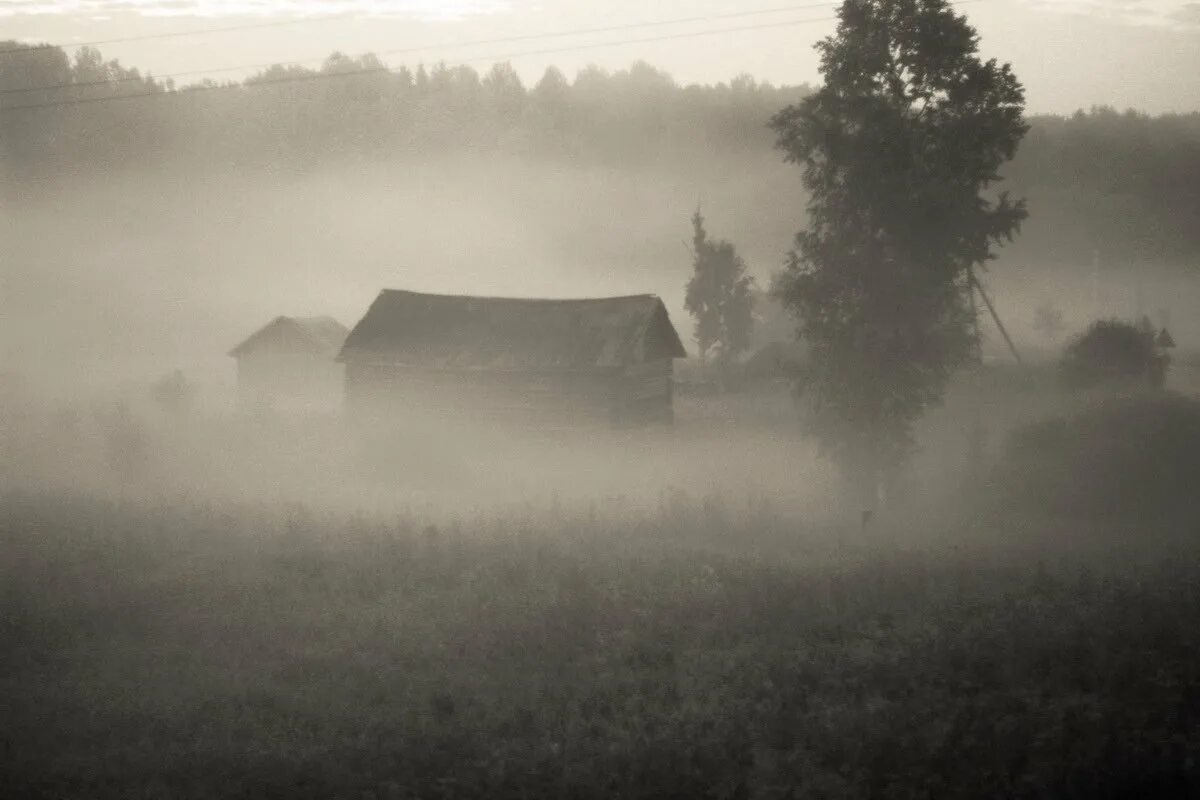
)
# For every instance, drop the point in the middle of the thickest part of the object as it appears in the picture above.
(553, 362)
(289, 364)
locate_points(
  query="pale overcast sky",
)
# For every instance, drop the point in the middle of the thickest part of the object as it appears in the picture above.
(1069, 53)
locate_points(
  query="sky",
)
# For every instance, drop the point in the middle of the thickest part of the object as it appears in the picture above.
(1070, 54)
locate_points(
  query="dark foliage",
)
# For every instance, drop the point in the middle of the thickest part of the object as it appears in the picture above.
(897, 147)
(1131, 458)
(1113, 352)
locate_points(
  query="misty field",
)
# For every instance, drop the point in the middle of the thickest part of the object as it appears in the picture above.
(200, 650)
(326, 464)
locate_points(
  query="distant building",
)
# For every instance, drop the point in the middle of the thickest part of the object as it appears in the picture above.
(775, 351)
(288, 364)
(551, 362)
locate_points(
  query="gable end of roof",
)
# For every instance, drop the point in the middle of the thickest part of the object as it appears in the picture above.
(323, 334)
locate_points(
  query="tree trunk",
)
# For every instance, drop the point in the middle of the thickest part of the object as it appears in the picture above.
(864, 478)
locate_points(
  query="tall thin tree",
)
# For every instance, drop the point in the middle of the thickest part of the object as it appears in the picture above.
(718, 295)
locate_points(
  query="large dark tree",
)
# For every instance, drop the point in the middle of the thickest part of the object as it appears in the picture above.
(898, 147)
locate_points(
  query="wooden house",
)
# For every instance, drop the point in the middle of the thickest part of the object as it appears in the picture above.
(288, 364)
(493, 359)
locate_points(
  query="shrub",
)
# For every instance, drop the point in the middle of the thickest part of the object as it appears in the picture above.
(1112, 351)
(1131, 458)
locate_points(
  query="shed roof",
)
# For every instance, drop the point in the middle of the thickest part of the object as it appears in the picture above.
(507, 333)
(322, 335)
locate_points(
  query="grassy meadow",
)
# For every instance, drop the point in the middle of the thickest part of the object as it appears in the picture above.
(239, 651)
(165, 636)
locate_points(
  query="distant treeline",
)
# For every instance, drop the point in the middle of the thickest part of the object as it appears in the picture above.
(355, 107)
(1124, 184)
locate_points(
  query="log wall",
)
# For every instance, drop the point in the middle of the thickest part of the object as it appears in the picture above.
(633, 395)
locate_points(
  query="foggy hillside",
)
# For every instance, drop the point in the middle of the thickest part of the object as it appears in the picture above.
(166, 227)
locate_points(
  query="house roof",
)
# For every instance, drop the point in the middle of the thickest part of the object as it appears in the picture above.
(321, 335)
(505, 333)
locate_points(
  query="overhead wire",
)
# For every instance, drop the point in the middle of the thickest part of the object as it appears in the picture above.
(277, 23)
(426, 48)
(159, 92)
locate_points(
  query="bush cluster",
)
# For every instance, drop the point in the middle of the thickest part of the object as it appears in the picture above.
(1126, 457)
(1112, 351)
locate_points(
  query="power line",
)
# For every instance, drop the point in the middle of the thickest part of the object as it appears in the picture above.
(175, 34)
(446, 46)
(387, 70)
(322, 76)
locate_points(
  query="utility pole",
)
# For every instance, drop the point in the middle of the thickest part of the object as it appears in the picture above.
(975, 316)
(977, 435)
(992, 310)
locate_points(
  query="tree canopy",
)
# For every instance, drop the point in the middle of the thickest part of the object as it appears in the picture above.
(898, 149)
(718, 295)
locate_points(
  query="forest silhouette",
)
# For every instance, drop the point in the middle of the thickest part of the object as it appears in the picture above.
(1126, 184)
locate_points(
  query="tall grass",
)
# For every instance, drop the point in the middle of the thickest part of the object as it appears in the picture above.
(242, 651)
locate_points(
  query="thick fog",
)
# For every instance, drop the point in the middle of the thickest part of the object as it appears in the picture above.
(149, 231)
(385, 431)
(116, 279)
(148, 271)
